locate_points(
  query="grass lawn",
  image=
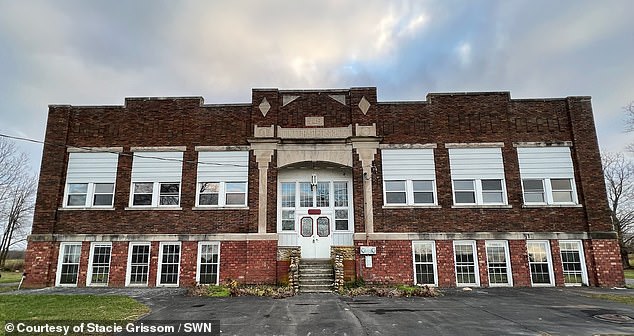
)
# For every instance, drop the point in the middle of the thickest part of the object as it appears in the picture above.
(70, 307)
(616, 298)
(629, 273)
(10, 277)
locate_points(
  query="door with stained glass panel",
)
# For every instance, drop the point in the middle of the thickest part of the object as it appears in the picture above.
(315, 235)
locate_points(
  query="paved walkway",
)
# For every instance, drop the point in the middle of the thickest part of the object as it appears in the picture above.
(487, 311)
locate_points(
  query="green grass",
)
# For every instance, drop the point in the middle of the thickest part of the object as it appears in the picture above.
(627, 299)
(7, 288)
(10, 277)
(218, 291)
(629, 273)
(70, 307)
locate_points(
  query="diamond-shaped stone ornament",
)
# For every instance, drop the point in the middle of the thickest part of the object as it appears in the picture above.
(264, 106)
(364, 105)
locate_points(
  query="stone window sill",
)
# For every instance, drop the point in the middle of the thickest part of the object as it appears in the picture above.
(482, 206)
(85, 209)
(220, 208)
(418, 206)
(529, 206)
(154, 208)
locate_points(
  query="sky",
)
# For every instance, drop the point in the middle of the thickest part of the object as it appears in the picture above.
(99, 52)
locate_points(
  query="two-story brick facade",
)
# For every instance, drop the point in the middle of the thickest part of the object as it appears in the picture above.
(462, 189)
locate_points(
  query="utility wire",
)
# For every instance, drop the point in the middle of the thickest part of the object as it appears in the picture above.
(89, 149)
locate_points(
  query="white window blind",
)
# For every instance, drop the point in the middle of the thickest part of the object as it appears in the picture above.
(476, 163)
(545, 162)
(157, 166)
(226, 166)
(92, 167)
(408, 164)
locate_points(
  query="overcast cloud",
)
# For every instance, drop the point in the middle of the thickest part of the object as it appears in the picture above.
(98, 52)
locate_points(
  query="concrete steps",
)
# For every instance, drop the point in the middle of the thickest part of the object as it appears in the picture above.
(316, 276)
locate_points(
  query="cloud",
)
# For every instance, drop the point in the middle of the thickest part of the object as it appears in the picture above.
(98, 52)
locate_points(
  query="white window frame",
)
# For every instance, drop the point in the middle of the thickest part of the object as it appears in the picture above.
(198, 261)
(90, 195)
(128, 277)
(434, 261)
(89, 274)
(222, 195)
(409, 194)
(548, 192)
(160, 264)
(478, 192)
(549, 260)
(156, 195)
(60, 259)
(476, 269)
(582, 260)
(509, 272)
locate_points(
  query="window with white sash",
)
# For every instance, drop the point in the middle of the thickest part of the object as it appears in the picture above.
(425, 268)
(477, 176)
(90, 180)
(466, 263)
(409, 177)
(156, 179)
(498, 263)
(208, 263)
(68, 264)
(573, 262)
(99, 267)
(547, 176)
(222, 179)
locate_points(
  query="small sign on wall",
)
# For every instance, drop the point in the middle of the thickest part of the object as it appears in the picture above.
(314, 121)
(368, 261)
(367, 250)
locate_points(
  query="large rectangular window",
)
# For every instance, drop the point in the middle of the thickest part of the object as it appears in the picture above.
(466, 262)
(90, 180)
(540, 263)
(409, 177)
(208, 263)
(478, 176)
(156, 179)
(498, 263)
(68, 264)
(138, 264)
(547, 176)
(169, 264)
(222, 179)
(99, 268)
(573, 262)
(425, 272)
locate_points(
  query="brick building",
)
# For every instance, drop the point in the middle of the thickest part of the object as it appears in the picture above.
(462, 189)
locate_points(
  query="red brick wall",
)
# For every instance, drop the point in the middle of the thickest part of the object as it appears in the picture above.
(445, 262)
(189, 253)
(251, 262)
(391, 264)
(557, 266)
(482, 263)
(40, 264)
(607, 259)
(118, 264)
(519, 263)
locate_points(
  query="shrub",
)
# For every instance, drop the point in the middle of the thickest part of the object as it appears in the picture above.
(392, 291)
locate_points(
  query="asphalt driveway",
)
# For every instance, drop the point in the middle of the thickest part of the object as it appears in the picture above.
(490, 311)
(530, 311)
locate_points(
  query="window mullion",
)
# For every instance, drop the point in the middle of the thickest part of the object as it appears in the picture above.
(548, 191)
(478, 191)
(409, 192)
(156, 186)
(90, 192)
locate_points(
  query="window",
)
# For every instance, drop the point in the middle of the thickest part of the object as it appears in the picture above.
(138, 264)
(341, 220)
(90, 180)
(305, 195)
(540, 263)
(425, 263)
(288, 220)
(222, 194)
(342, 206)
(466, 263)
(169, 264)
(323, 195)
(547, 176)
(409, 177)
(208, 263)
(573, 262)
(99, 267)
(478, 176)
(288, 194)
(222, 179)
(68, 264)
(498, 263)
(156, 179)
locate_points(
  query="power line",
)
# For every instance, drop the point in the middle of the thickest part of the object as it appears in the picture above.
(91, 150)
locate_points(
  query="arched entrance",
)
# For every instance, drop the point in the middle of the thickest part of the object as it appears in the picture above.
(315, 208)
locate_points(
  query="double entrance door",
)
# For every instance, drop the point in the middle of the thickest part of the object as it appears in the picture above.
(315, 234)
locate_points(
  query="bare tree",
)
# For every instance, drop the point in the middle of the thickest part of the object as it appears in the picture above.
(17, 197)
(618, 172)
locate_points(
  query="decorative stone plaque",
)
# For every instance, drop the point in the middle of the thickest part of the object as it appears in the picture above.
(314, 121)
